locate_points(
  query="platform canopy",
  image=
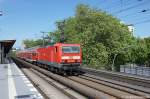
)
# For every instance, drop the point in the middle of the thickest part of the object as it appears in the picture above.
(7, 44)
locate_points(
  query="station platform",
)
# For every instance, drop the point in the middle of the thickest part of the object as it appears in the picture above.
(15, 85)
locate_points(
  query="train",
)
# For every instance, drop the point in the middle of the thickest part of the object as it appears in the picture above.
(59, 58)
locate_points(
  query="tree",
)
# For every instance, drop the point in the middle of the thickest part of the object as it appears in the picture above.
(139, 52)
(147, 41)
(100, 35)
(32, 43)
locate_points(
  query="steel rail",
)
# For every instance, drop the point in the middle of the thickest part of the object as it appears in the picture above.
(105, 88)
(123, 84)
(47, 79)
(131, 79)
(120, 86)
(84, 90)
(53, 84)
(36, 85)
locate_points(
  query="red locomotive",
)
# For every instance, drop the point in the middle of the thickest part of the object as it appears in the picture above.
(61, 58)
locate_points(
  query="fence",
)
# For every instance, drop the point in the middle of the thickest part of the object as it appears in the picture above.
(136, 70)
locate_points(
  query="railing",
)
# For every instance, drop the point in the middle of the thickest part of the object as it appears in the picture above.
(136, 70)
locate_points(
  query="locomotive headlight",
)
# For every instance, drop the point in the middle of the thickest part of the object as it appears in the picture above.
(76, 57)
(65, 57)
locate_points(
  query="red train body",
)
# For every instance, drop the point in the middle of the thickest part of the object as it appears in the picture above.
(60, 57)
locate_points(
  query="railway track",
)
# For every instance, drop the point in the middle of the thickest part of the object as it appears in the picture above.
(121, 77)
(66, 91)
(43, 86)
(91, 87)
(49, 87)
(119, 86)
(116, 84)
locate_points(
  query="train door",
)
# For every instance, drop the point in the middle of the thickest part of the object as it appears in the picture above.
(56, 54)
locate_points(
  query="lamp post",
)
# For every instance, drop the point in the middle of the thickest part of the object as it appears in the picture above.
(112, 67)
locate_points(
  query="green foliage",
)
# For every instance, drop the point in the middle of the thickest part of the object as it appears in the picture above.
(100, 34)
(140, 52)
(49, 39)
(32, 43)
(147, 41)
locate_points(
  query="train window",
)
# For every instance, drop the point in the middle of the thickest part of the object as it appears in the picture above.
(70, 49)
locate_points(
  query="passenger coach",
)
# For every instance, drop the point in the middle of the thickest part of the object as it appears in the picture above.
(61, 58)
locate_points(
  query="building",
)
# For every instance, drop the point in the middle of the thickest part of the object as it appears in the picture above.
(131, 29)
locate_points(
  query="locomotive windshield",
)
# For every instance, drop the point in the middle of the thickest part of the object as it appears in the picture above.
(70, 49)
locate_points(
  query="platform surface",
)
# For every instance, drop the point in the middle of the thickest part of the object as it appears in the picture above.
(15, 85)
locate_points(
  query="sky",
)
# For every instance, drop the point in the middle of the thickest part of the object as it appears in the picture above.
(25, 19)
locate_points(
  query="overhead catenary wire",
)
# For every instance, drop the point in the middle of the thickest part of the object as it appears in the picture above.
(136, 13)
(111, 5)
(141, 22)
(131, 7)
(116, 4)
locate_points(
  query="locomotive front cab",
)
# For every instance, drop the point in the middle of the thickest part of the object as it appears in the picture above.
(71, 55)
(68, 57)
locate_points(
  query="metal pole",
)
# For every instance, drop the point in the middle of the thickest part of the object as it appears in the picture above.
(43, 38)
(3, 53)
(112, 68)
(61, 26)
(0, 53)
(142, 71)
(124, 68)
(130, 69)
(117, 54)
(149, 72)
(136, 70)
(1, 44)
